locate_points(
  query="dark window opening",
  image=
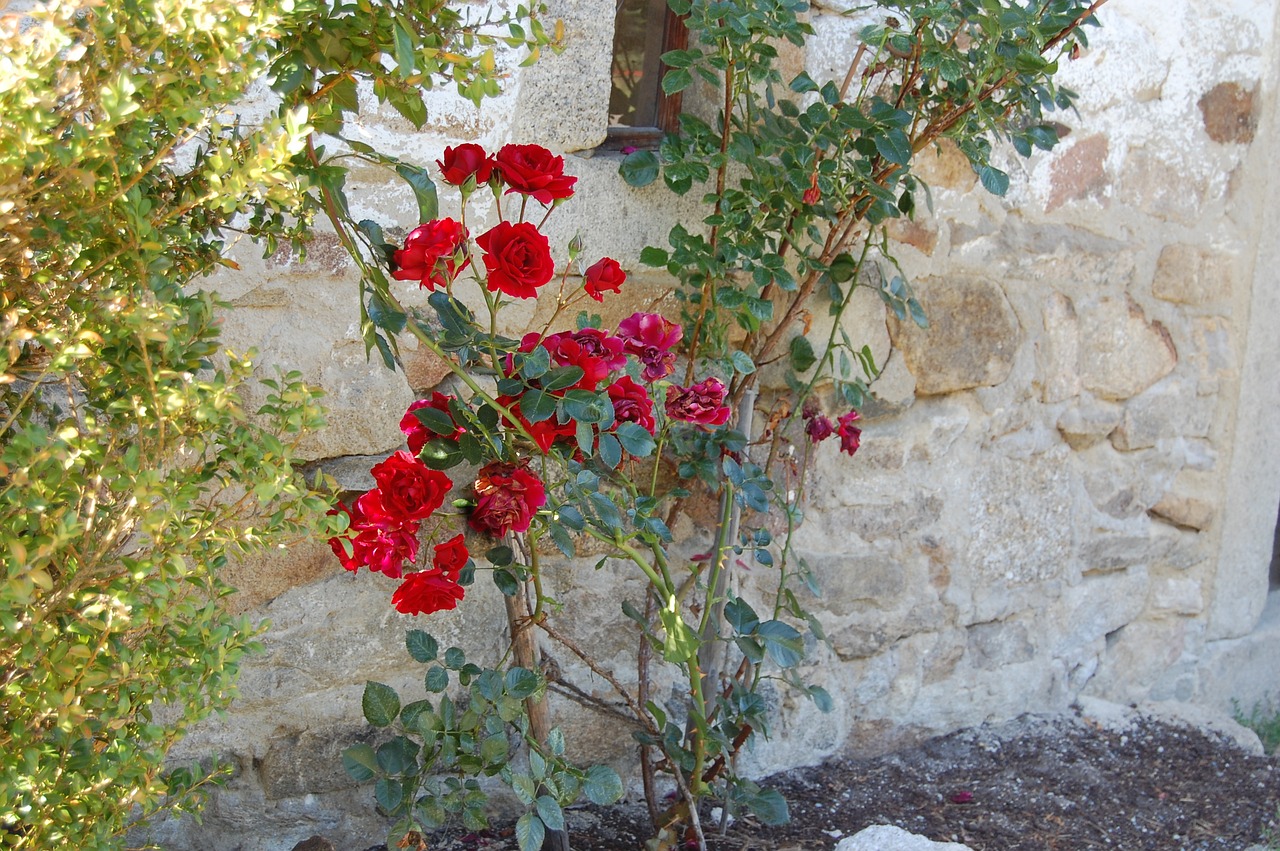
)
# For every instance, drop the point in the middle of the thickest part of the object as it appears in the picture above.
(1275, 559)
(640, 113)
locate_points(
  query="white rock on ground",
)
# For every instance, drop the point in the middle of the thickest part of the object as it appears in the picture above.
(885, 837)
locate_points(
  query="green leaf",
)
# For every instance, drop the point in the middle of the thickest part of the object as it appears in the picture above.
(651, 256)
(609, 450)
(455, 658)
(500, 556)
(380, 703)
(437, 679)
(602, 786)
(742, 362)
(494, 749)
(821, 698)
(769, 806)
(422, 647)
(561, 377)
(360, 762)
(536, 363)
(681, 642)
(639, 168)
(803, 83)
(384, 314)
(635, 439)
(423, 190)
(522, 683)
(993, 180)
(389, 794)
(398, 756)
(436, 420)
(550, 813)
(802, 354)
(741, 616)
(530, 833)
(783, 642)
(404, 51)
(537, 405)
(894, 146)
(676, 80)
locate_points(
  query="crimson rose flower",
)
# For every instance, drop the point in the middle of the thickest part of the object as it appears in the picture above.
(430, 254)
(591, 350)
(416, 433)
(517, 257)
(378, 541)
(631, 403)
(604, 275)
(425, 592)
(409, 489)
(507, 498)
(450, 557)
(533, 170)
(819, 428)
(703, 403)
(466, 160)
(650, 337)
(850, 435)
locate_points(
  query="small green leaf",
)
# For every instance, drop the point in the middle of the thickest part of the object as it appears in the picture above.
(522, 683)
(676, 80)
(404, 52)
(609, 450)
(635, 439)
(681, 642)
(770, 807)
(602, 786)
(651, 256)
(741, 616)
(360, 762)
(422, 647)
(802, 354)
(380, 703)
(550, 813)
(783, 642)
(530, 832)
(536, 363)
(742, 362)
(389, 794)
(639, 168)
(894, 146)
(993, 180)
(423, 190)
(437, 679)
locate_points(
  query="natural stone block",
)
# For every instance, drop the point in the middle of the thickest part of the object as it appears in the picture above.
(1088, 423)
(972, 337)
(1164, 412)
(998, 643)
(1188, 274)
(1230, 113)
(884, 837)
(945, 165)
(1078, 172)
(268, 575)
(308, 762)
(1122, 353)
(919, 234)
(1059, 350)
(1185, 511)
(1179, 596)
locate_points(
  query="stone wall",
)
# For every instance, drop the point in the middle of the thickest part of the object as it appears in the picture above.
(1068, 484)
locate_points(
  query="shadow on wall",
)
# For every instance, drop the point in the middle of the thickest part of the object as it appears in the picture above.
(1275, 559)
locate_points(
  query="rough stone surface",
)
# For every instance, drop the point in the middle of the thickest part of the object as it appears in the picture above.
(972, 339)
(1059, 350)
(1189, 274)
(1078, 173)
(1089, 423)
(1230, 113)
(1121, 353)
(884, 837)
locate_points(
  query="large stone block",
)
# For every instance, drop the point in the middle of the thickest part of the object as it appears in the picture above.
(1193, 275)
(1059, 350)
(1078, 172)
(1167, 411)
(1121, 353)
(1230, 113)
(972, 337)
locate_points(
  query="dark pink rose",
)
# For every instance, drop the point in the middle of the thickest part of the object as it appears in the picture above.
(533, 170)
(425, 592)
(850, 435)
(631, 403)
(451, 556)
(703, 403)
(819, 428)
(464, 161)
(591, 350)
(603, 276)
(507, 498)
(410, 490)
(517, 258)
(433, 254)
(651, 338)
(417, 434)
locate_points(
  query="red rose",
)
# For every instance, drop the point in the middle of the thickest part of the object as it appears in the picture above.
(703, 403)
(819, 428)
(409, 489)
(850, 435)
(533, 170)
(377, 540)
(507, 498)
(651, 338)
(451, 556)
(431, 254)
(631, 403)
(591, 350)
(465, 161)
(416, 433)
(518, 259)
(425, 592)
(544, 432)
(604, 275)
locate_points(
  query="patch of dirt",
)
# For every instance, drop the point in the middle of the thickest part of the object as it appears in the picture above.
(1035, 784)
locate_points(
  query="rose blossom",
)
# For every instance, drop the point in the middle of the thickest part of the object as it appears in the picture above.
(507, 498)
(544, 432)
(416, 432)
(533, 170)
(819, 428)
(631, 403)
(378, 541)
(517, 257)
(425, 592)
(451, 556)
(703, 403)
(409, 489)
(591, 350)
(850, 435)
(604, 275)
(466, 160)
(430, 254)
(650, 337)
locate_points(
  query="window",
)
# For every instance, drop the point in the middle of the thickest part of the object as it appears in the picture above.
(639, 112)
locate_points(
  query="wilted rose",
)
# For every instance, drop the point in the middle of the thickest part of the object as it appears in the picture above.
(631, 403)
(703, 403)
(850, 435)
(651, 338)
(508, 496)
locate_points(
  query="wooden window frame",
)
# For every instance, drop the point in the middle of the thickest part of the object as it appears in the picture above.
(675, 36)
